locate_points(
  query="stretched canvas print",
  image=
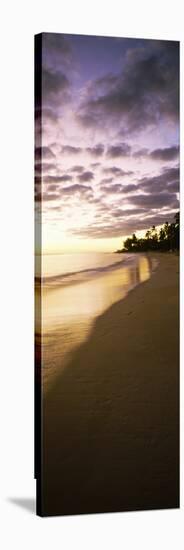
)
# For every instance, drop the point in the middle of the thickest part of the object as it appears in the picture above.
(106, 274)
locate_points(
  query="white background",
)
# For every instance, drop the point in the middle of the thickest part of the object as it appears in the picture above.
(20, 528)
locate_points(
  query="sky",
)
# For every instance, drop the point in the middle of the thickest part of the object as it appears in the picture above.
(107, 138)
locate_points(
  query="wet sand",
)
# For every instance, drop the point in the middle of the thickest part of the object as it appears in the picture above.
(111, 419)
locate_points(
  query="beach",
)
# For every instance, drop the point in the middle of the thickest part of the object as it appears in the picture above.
(76, 291)
(110, 425)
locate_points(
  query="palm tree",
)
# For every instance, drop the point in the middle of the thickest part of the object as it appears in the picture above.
(162, 234)
(148, 235)
(154, 233)
(166, 239)
(134, 238)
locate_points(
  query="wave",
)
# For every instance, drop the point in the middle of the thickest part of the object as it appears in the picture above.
(74, 276)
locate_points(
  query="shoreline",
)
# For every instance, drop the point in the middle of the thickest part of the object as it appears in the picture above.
(63, 280)
(111, 419)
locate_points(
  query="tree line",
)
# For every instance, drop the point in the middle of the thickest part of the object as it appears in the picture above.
(165, 239)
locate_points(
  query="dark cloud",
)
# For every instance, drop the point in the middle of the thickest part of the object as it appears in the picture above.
(71, 150)
(57, 208)
(118, 188)
(103, 82)
(55, 193)
(53, 187)
(55, 87)
(49, 196)
(77, 189)
(112, 189)
(169, 153)
(173, 187)
(77, 168)
(57, 179)
(171, 173)
(106, 180)
(164, 154)
(95, 164)
(96, 151)
(54, 44)
(56, 52)
(58, 64)
(122, 212)
(86, 176)
(128, 188)
(119, 150)
(154, 200)
(145, 90)
(126, 223)
(160, 182)
(115, 171)
(65, 177)
(48, 114)
(43, 153)
(140, 153)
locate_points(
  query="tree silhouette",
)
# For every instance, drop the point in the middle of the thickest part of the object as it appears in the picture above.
(166, 240)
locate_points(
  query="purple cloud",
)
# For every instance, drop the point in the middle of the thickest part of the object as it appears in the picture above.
(86, 176)
(120, 150)
(96, 151)
(167, 154)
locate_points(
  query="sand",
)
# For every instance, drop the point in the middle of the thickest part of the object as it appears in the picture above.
(111, 419)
